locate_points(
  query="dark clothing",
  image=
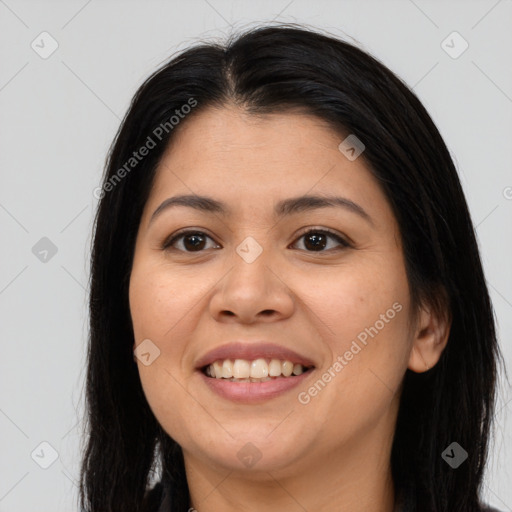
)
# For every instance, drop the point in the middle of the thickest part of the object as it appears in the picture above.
(159, 500)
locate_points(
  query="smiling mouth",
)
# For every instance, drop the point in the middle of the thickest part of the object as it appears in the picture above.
(257, 370)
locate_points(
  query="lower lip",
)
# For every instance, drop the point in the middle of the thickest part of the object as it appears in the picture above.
(251, 392)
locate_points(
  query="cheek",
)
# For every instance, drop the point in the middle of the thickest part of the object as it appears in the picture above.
(158, 300)
(357, 298)
(366, 307)
(366, 310)
(161, 307)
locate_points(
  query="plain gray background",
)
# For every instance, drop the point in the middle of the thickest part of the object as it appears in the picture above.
(60, 113)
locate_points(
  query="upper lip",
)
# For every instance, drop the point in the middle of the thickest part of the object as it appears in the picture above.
(251, 351)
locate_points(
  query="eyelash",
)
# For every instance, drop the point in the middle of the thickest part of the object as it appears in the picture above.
(171, 240)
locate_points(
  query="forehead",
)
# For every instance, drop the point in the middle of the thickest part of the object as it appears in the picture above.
(252, 160)
(224, 132)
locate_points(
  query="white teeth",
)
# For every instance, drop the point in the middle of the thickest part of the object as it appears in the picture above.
(274, 368)
(287, 368)
(259, 370)
(297, 369)
(227, 369)
(241, 369)
(217, 367)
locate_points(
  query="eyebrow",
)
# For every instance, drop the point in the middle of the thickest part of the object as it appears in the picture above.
(282, 208)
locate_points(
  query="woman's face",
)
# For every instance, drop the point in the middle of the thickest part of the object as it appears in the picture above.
(254, 285)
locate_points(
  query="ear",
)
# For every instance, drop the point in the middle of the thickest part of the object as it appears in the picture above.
(430, 339)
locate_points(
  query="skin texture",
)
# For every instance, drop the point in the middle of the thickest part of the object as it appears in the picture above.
(332, 453)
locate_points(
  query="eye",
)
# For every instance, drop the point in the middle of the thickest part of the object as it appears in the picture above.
(193, 241)
(316, 240)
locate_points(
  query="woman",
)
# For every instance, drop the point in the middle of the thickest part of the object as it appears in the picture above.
(288, 308)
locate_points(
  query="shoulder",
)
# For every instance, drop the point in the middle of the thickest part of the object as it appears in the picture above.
(486, 508)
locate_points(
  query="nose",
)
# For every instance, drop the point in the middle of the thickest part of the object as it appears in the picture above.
(252, 292)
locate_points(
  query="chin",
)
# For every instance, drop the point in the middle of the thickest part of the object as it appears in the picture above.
(254, 453)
